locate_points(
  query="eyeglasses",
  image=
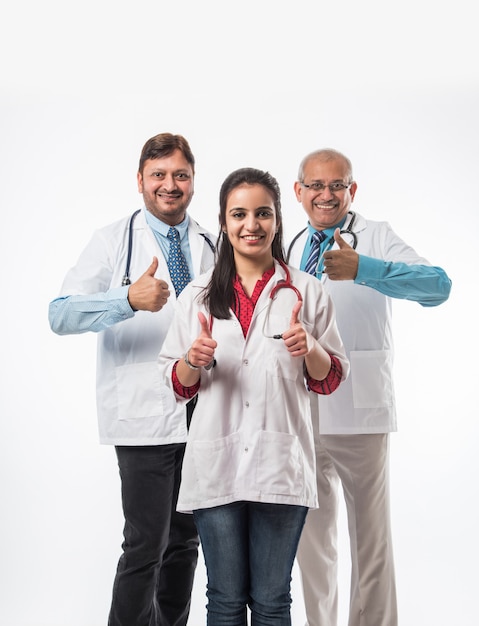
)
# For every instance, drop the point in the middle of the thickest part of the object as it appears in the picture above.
(333, 187)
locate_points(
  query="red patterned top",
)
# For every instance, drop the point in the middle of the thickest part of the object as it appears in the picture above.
(243, 308)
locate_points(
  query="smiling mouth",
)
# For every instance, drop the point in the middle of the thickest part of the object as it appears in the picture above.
(252, 237)
(169, 196)
(325, 206)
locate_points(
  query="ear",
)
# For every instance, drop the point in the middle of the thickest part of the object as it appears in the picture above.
(297, 190)
(139, 179)
(352, 190)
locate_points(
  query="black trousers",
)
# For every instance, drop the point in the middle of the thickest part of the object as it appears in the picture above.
(155, 573)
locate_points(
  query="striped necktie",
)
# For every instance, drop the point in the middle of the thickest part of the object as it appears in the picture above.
(312, 262)
(179, 272)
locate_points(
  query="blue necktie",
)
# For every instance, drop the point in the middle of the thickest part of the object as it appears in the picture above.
(312, 262)
(179, 272)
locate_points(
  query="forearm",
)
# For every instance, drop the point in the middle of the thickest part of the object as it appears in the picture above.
(332, 381)
(184, 391)
(187, 377)
(426, 284)
(317, 361)
(95, 312)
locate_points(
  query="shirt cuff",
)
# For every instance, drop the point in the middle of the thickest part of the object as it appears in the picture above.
(181, 390)
(369, 269)
(119, 295)
(332, 380)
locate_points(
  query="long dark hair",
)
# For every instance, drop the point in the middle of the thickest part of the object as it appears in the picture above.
(219, 294)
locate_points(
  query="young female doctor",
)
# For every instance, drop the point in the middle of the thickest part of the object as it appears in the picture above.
(256, 338)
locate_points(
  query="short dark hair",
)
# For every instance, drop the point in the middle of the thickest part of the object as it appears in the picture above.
(163, 145)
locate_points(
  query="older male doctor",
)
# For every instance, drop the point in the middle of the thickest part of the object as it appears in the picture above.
(363, 265)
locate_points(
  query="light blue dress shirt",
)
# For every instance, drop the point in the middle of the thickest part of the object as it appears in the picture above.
(75, 314)
(160, 230)
(420, 283)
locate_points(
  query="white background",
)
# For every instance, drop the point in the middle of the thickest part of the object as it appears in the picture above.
(83, 85)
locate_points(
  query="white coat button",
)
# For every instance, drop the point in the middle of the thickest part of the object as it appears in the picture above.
(246, 403)
(246, 449)
(245, 361)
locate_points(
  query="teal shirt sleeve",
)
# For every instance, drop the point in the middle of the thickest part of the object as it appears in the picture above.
(94, 312)
(426, 284)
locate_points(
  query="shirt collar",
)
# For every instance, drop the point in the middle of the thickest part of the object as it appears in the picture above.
(260, 284)
(329, 232)
(160, 227)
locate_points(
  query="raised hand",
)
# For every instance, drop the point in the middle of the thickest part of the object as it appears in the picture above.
(202, 349)
(148, 293)
(300, 343)
(341, 264)
(296, 339)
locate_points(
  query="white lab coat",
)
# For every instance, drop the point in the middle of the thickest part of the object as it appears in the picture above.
(365, 403)
(135, 406)
(251, 435)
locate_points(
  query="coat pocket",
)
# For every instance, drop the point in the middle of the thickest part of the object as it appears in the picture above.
(280, 468)
(278, 362)
(215, 465)
(371, 379)
(140, 392)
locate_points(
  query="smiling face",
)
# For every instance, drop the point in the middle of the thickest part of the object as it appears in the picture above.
(167, 187)
(250, 222)
(325, 208)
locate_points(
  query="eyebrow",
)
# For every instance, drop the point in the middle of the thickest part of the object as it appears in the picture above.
(178, 171)
(258, 208)
(321, 180)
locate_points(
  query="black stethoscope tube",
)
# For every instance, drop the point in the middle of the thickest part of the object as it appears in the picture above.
(346, 231)
(126, 277)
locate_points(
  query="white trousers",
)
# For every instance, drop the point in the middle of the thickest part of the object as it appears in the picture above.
(361, 463)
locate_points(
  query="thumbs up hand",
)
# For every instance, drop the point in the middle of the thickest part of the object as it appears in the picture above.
(301, 343)
(297, 341)
(295, 314)
(341, 264)
(148, 293)
(202, 350)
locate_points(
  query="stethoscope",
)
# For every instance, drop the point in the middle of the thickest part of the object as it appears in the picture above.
(126, 277)
(329, 244)
(285, 283)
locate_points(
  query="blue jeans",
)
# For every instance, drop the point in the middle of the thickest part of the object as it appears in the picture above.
(249, 551)
(155, 573)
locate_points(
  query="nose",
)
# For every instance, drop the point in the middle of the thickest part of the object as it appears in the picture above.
(251, 223)
(169, 182)
(326, 193)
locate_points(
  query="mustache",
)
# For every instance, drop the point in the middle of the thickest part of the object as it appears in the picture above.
(172, 194)
(328, 203)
